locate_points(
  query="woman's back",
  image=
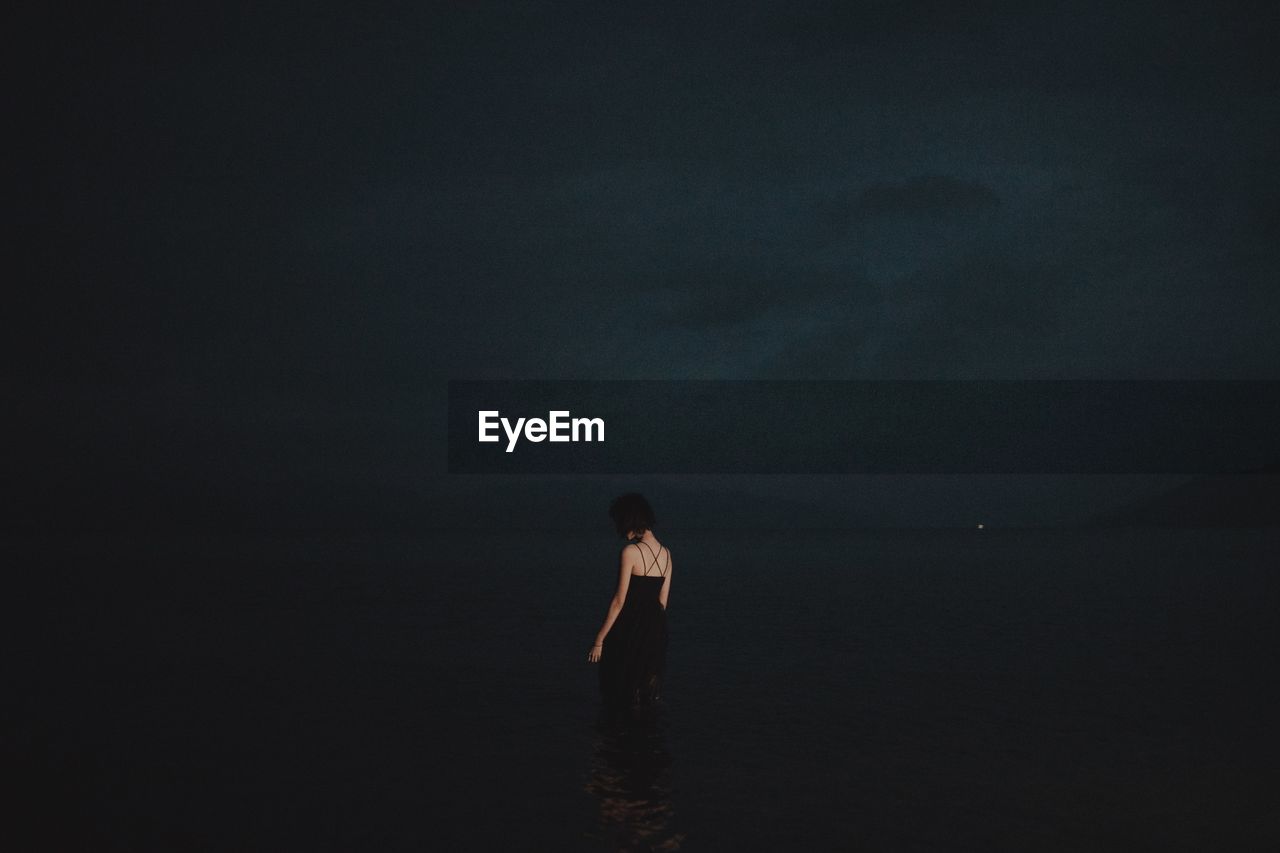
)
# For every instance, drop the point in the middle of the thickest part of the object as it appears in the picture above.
(652, 559)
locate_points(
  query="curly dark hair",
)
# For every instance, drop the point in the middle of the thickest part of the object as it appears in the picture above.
(631, 512)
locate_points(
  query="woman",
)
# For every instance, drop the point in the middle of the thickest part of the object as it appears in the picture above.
(631, 647)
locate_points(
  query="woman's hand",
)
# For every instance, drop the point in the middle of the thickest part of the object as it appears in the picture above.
(593, 656)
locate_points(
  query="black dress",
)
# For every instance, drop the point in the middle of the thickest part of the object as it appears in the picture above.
(633, 660)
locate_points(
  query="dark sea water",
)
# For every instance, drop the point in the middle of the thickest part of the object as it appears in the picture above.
(956, 690)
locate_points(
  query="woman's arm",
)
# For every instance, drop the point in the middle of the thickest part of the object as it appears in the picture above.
(619, 598)
(666, 584)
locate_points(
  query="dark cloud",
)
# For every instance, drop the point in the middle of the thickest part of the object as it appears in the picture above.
(929, 196)
(735, 296)
(981, 315)
(979, 311)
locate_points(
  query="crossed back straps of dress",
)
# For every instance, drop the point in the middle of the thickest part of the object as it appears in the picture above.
(661, 572)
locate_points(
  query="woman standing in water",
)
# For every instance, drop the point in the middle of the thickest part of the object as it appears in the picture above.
(631, 646)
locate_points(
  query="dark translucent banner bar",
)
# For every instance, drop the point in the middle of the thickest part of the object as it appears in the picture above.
(863, 427)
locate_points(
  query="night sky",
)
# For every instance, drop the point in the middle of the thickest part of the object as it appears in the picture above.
(255, 244)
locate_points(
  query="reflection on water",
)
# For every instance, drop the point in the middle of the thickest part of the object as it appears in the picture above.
(631, 779)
